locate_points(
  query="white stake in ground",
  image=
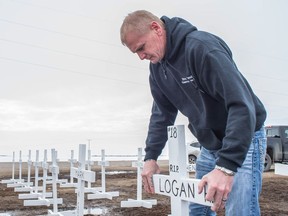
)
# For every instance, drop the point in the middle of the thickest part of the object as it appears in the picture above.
(101, 191)
(139, 202)
(178, 185)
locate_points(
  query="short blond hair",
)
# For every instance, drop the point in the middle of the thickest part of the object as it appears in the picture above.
(138, 21)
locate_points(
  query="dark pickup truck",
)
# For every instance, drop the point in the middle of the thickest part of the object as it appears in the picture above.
(277, 145)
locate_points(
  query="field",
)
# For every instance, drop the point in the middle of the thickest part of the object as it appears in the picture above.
(273, 201)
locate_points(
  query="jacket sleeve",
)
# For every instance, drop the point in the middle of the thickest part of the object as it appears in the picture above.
(163, 115)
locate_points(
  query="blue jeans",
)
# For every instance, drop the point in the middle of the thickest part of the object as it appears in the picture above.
(243, 199)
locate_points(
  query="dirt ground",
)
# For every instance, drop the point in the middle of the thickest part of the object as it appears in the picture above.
(273, 201)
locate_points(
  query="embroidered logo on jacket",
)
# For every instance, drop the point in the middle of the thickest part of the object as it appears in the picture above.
(188, 79)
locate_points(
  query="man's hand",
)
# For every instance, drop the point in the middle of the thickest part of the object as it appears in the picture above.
(150, 167)
(219, 186)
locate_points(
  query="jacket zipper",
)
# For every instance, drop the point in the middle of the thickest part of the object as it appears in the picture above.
(164, 70)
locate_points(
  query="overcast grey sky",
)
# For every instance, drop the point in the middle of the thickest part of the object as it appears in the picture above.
(66, 78)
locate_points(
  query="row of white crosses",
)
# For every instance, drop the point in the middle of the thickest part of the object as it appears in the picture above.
(23, 186)
(177, 185)
(38, 194)
(82, 175)
(13, 182)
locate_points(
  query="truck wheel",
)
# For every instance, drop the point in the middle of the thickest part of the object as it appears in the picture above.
(268, 162)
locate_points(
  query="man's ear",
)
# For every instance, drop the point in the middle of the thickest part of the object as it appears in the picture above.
(156, 27)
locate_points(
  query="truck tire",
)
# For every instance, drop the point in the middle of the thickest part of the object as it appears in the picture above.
(268, 163)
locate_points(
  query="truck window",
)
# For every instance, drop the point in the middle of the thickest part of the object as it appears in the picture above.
(286, 133)
(273, 132)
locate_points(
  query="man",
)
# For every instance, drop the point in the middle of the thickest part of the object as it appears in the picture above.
(193, 72)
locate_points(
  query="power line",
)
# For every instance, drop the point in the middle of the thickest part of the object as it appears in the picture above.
(71, 71)
(58, 32)
(102, 77)
(260, 54)
(270, 92)
(267, 77)
(110, 62)
(69, 53)
(277, 106)
(63, 11)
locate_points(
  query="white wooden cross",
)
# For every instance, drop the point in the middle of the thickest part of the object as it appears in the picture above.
(102, 190)
(51, 179)
(71, 183)
(82, 176)
(72, 162)
(139, 202)
(178, 185)
(54, 169)
(89, 164)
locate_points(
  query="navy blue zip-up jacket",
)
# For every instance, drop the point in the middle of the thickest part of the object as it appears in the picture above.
(198, 77)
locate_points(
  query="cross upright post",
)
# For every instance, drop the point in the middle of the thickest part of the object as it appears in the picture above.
(139, 202)
(100, 192)
(45, 168)
(89, 164)
(29, 163)
(54, 169)
(103, 164)
(20, 165)
(178, 185)
(72, 162)
(71, 183)
(37, 164)
(13, 167)
(82, 175)
(81, 183)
